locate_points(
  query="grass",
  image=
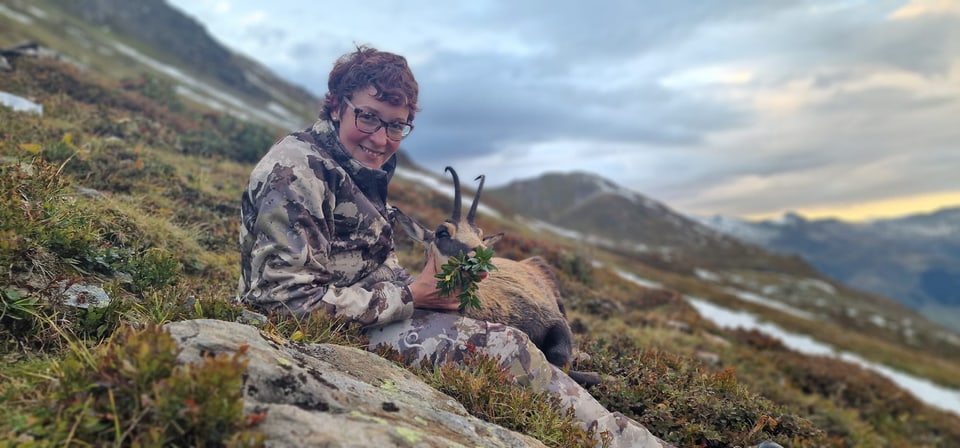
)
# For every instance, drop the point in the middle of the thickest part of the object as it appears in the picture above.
(488, 392)
(159, 239)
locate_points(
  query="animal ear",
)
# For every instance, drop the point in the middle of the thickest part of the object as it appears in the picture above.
(489, 240)
(413, 229)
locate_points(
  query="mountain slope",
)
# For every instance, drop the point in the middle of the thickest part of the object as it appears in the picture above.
(638, 228)
(623, 220)
(185, 41)
(122, 40)
(99, 192)
(914, 259)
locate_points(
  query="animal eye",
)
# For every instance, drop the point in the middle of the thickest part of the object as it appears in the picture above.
(442, 232)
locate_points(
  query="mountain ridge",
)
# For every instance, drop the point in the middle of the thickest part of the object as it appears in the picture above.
(601, 208)
(627, 222)
(912, 258)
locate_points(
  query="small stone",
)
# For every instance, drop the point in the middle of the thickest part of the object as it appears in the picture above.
(89, 192)
(80, 295)
(769, 444)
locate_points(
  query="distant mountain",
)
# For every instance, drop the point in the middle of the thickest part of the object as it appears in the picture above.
(624, 220)
(915, 259)
(595, 210)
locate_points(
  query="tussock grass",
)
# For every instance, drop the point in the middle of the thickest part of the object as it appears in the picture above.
(488, 392)
(316, 328)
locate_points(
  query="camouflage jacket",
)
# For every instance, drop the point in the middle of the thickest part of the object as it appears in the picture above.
(315, 233)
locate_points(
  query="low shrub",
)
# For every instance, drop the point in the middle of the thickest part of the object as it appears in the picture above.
(132, 392)
(683, 403)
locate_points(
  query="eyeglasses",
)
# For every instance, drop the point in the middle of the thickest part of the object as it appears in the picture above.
(368, 123)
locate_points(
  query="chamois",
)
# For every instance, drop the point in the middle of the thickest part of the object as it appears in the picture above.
(523, 294)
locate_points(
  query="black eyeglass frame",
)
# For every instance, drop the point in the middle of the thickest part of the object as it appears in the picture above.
(382, 125)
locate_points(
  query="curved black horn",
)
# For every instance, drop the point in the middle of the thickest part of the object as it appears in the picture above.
(456, 195)
(476, 199)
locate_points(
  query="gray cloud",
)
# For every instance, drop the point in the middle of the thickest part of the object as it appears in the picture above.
(479, 103)
(837, 103)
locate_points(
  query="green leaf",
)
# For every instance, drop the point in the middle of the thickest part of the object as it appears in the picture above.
(463, 272)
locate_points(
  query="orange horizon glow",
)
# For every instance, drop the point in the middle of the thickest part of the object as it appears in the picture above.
(884, 208)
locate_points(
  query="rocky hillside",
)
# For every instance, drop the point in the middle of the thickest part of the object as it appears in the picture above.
(914, 259)
(124, 41)
(622, 220)
(588, 207)
(119, 200)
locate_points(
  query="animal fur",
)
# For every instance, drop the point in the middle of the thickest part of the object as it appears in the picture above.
(523, 294)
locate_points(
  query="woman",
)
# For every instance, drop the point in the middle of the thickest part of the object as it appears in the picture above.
(315, 232)
(316, 237)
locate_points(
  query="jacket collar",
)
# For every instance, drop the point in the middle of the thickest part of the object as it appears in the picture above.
(372, 182)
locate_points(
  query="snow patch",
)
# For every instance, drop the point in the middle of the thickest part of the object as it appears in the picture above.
(232, 104)
(37, 12)
(738, 228)
(818, 284)
(24, 19)
(925, 390)
(443, 188)
(747, 296)
(541, 225)
(605, 186)
(878, 320)
(639, 280)
(20, 104)
(704, 274)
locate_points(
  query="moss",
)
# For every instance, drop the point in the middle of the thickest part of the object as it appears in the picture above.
(409, 435)
(370, 418)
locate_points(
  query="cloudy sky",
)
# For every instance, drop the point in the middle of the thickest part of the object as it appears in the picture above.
(848, 108)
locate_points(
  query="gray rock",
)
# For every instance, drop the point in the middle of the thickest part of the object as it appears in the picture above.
(89, 192)
(251, 318)
(769, 444)
(330, 395)
(707, 357)
(81, 295)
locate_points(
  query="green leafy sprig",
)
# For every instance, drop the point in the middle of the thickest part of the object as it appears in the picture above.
(464, 273)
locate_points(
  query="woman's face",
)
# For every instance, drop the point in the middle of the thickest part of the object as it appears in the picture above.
(371, 150)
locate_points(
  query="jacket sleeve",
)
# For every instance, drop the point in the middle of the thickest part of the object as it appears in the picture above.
(290, 266)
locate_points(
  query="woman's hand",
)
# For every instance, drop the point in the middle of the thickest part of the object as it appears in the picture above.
(425, 292)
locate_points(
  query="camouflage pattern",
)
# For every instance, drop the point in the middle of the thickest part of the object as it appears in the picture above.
(315, 233)
(443, 338)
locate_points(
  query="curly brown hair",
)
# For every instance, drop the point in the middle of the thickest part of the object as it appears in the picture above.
(365, 67)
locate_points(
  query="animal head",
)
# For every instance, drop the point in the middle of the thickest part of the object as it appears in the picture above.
(455, 234)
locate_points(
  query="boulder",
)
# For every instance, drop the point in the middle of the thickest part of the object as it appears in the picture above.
(331, 395)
